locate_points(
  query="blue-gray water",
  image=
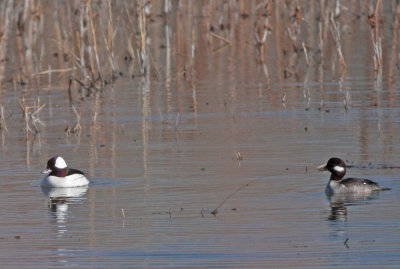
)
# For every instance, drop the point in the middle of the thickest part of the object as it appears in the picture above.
(157, 177)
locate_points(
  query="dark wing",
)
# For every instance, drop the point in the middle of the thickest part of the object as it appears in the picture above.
(74, 171)
(350, 181)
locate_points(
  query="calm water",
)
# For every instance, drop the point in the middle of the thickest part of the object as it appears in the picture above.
(162, 153)
(166, 172)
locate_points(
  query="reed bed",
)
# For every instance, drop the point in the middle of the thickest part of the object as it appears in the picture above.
(88, 45)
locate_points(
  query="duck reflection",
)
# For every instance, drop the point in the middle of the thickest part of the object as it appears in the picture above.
(60, 199)
(340, 201)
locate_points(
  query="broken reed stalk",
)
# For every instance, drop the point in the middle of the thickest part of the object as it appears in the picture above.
(373, 20)
(110, 38)
(215, 211)
(227, 41)
(130, 23)
(220, 38)
(80, 43)
(262, 27)
(70, 91)
(376, 42)
(345, 243)
(31, 117)
(238, 156)
(260, 43)
(96, 55)
(5, 32)
(393, 58)
(336, 36)
(323, 26)
(123, 213)
(305, 53)
(377, 53)
(58, 33)
(34, 118)
(177, 121)
(376, 18)
(26, 119)
(77, 127)
(142, 28)
(3, 125)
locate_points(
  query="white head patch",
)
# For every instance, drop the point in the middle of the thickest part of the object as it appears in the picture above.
(338, 168)
(60, 163)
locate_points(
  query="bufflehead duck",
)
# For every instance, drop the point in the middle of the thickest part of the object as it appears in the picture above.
(337, 184)
(60, 176)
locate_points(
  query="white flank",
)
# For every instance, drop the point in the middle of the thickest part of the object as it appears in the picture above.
(71, 181)
(60, 163)
(338, 168)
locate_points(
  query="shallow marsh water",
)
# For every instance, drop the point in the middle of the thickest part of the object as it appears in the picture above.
(163, 153)
(151, 195)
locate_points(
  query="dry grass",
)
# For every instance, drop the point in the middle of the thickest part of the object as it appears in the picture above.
(88, 45)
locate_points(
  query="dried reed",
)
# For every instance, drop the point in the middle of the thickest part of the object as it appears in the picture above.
(337, 37)
(31, 118)
(3, 125)
(142, 28)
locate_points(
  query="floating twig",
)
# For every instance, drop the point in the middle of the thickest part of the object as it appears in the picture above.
(215, 211)
(345, 243)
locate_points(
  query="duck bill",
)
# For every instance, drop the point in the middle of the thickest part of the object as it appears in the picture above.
(322, 167)
(46, 171)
